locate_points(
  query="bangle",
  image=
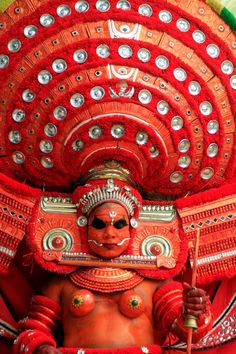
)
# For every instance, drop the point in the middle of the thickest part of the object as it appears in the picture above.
(46, 311)
(29, 340)
(29, 323)
(167, 301)
(45, 301)
(44, 315)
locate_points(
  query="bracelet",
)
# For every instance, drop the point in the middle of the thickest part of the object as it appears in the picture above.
(46, 311)
(29, 340)
(28, 323)
(167, 301)
(44, 315)
(46, 302)
(47, 321)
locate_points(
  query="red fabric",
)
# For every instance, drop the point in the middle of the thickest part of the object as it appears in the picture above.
(207, 196)
(15, 283)
(152, 349)
(5, 347)
(20, 189)
(229, 348)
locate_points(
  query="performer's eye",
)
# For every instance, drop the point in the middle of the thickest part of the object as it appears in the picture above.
(119, 224)
(98, 223)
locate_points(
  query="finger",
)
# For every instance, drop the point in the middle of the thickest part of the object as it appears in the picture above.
(195, 300)
(193, 292)
(197, 307)
(187, 286)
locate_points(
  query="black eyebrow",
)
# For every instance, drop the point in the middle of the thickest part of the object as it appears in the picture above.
(98, 223)
(119, 224)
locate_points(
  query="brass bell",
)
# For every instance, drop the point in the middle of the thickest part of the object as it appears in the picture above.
(190, 322)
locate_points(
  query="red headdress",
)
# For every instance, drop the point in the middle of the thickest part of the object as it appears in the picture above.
(150, 86)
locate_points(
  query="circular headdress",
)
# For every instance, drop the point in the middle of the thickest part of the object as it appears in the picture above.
(148, 84)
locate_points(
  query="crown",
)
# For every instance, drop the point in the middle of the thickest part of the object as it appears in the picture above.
(109, 192)
(109, 169)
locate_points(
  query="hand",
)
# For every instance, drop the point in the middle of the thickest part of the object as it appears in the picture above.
(194, 299)
(47, 349)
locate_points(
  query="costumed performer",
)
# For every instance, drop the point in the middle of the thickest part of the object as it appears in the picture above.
(110, 310)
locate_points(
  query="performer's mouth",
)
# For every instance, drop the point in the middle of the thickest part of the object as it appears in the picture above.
(110, 246)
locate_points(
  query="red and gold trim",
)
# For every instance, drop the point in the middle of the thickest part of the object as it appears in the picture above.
(18, 207)
(214, 214)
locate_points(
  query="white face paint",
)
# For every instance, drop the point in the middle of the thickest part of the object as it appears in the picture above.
(117, 244)
(112, 215)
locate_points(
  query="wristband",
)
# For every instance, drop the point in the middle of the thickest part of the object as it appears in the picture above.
(28, 341)
(167, 300)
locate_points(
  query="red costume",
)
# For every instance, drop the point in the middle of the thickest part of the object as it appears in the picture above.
(118, 176)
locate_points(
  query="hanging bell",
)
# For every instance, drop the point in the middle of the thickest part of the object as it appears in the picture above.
(190, 322)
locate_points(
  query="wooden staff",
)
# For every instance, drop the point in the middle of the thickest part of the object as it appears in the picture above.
(191, 321)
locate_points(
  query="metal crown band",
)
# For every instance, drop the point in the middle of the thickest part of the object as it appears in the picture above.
(109, 192)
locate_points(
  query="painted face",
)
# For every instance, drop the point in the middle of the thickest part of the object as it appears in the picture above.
(108, 230)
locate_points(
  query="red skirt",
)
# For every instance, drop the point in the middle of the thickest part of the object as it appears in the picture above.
(149, 349)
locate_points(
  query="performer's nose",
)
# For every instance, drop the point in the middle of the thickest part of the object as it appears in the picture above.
(110, 232)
